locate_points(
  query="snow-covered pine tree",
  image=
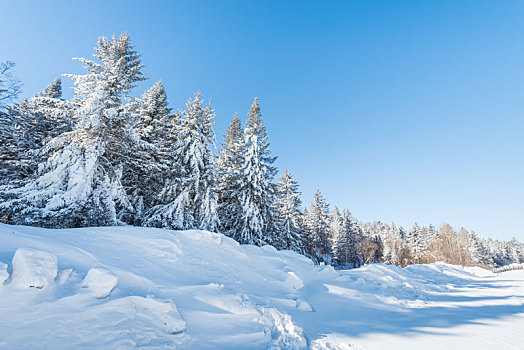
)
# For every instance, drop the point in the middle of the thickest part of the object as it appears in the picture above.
(317, 223)
(53, 90)
(155, 114)
(80, 182)
(25, 129)
(417, 243)
(353, 254)
(337, 237)
(156, 161)
(288, 213)
(196, 157)
(392, 246)
(190, 201)
(255, 223)
(228, 165)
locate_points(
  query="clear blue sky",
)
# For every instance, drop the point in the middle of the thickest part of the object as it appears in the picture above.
(398, 110)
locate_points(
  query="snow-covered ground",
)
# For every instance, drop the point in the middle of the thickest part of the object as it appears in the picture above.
(129, 287)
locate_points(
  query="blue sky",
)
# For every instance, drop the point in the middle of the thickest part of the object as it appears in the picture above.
(405, 111)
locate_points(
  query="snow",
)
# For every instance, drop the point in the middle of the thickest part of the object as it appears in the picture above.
(131, 287)
(100, 282)
(33, 268)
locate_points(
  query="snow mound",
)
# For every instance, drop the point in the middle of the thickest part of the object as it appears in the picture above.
(100, 282)
(3, 272)
(132, 287)
(33, 268)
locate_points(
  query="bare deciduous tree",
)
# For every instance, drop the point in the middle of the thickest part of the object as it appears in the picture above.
(10, 86)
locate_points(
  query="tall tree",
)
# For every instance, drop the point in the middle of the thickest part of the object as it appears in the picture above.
(26, 127)
(229, 163)
(255, 223)
(317, 223)
(80, 182)
(337, 237)
(156, 161)
(353, 254)
(189, 200)
(288, 205)
(196, 157)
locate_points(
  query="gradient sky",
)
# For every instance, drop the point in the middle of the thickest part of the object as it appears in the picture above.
(404, 111)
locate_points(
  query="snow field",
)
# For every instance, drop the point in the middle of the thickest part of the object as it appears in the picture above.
(133, 287)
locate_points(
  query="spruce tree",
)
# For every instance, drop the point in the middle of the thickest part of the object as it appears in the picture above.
(157, 128)
(353, 241)
(317, 222)
(337, 237)
(288, 205)
(229, 163)
(197, 138)
(80, 182)
(255, 223)
(26, 128)
(189, 199)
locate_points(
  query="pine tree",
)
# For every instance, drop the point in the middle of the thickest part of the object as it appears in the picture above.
(288, 212)
(354, 241)
(229, 177)
(26, 128)
(337, 237)
(317, 223)
(157, 128)
(53, 90)
(156, 120)
(196, 140)
(80, 182)
(255, 223)
(190, 200)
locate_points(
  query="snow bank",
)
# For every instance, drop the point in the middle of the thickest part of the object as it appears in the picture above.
(129, 287)
(3, 272)
(100, 282)
(33, 268)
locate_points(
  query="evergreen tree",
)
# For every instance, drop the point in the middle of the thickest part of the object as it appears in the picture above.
(53, 90)
(288, 212)
(255, 223)
(80, 182)
(196, 140)
(317, 223)
(229, 178)
(354, 240)
(25, 129)
(337, 237)
(156, 120)
(156, 163)
(190, 200)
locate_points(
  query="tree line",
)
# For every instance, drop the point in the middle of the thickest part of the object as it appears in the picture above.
(105, 158)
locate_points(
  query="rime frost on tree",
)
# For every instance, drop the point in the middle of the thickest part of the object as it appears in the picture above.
(53, 90)
(193, 197)
(317, 225)
(156, 159)
(288, 205)
(228, 171)
(26, 127)
(255, 221)
(80, 182)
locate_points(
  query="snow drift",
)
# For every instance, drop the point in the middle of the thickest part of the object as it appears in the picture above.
(133, 287)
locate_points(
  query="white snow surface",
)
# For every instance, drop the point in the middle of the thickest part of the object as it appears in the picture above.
(100, 282)
(132, 287)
